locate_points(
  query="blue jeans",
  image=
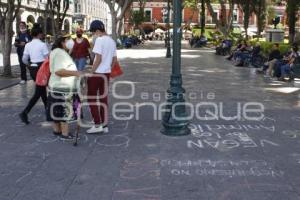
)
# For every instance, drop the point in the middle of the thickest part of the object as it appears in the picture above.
(80, 63)
(285, 69)
(277, 68)
(242, 56)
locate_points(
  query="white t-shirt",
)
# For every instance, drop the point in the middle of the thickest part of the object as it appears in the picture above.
(106, 47)
(36, 51)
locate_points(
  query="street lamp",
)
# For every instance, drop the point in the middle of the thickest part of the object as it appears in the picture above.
(168, 55)
(175, 122)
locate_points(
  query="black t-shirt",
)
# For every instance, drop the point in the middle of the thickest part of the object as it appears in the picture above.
(22, 37)
(256, 50)
(275, 54)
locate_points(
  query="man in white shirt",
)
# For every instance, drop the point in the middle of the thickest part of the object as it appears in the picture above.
(35, 53)
(105, 51)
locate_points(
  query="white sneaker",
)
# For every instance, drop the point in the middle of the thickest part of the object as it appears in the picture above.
(22, 82)
(105, 129)
(95, 129)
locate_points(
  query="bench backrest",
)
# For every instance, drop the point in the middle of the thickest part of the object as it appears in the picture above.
(296, 69)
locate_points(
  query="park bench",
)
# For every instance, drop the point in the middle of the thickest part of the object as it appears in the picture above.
(258, 61)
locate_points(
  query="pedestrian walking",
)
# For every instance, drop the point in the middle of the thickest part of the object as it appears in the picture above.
(62, 93)
(105, 51)
(22, 38)
(80, 51)
(35, 53)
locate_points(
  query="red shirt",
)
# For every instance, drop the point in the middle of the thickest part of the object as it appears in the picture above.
(81, 50)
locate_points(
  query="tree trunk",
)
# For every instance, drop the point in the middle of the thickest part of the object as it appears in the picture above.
(18, 20)
(261, 17)
(223, 13)
(46, 15)
(120, 28)
(202, 17)
(45, 25)
(212, 13)
(117, 14)
(224, 24)
(229, 18)
(189, 22)
(246, 17)
(6, 42)
(114, 26)
(292, 11)
(7, 18)
(53, 26)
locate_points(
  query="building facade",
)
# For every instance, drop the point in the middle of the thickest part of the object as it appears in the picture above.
(85, 11)
(80, 12)
(34, 11)
(155, 15)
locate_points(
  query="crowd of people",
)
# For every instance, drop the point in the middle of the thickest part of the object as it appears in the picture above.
(281, 66)
(275, 65)
(67, 60)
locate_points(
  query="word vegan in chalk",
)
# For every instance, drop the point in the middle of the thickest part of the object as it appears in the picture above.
(226, 137)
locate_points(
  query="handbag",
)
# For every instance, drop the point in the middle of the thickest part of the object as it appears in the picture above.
(43, 74)
(116, 70)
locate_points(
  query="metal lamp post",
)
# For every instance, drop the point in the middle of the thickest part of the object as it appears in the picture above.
(175, 119)
(168, 55)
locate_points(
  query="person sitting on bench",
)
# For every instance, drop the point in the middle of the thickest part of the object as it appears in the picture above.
(240, 48)
(243, 54)
(224, 48)
(274, 56)
(293, 59)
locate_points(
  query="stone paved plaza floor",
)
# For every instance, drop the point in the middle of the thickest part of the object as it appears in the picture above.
(223, 159)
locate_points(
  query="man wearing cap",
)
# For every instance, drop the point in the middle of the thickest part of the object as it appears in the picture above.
(105, 51)
(80, 50)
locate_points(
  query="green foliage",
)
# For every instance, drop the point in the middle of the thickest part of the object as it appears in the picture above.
(236, 37)
(137, 17)
(191, 4)
(267, 47)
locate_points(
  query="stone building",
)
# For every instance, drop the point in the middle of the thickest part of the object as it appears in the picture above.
(85, 11)
(34, 11)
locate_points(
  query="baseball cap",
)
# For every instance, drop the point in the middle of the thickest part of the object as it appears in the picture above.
(97, 25)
